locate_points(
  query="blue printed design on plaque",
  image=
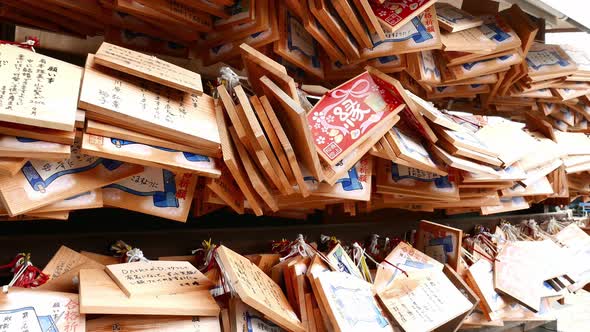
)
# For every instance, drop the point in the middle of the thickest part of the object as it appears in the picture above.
(39, 183)
(26, 140)
(387, 59)
(348, 184)
(439, 181)
(500, 35)
(446, 242)
(46, 323)
(421, 35)
(315, 60)
(189, 156)
(262, 324)
(162, 198)
(558, 60)
(357, 308)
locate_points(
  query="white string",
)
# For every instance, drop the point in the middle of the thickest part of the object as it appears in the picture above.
(357, 254)
(135, 255)
(373, 244)
(299, 247)
(16, 277)
(31, 43)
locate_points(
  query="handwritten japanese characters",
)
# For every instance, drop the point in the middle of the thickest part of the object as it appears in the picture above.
(424, 301)
(116, 98)
(42, 182)
(37, 90)
(40, 311)
(148, 67)
(157, 277)
(154, 191)
(256, 289)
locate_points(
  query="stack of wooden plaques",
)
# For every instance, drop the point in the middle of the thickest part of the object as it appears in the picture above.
(144, 133)
(149, 112)
(43, 174)
(441, 281)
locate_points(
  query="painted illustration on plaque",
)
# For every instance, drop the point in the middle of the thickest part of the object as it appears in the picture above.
(157, 183)
(347, 113)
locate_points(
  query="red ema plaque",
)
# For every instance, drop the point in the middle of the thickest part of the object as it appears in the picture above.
(392, 12)
(347, 114)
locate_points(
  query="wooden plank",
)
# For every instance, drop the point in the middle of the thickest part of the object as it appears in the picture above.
(146, 155)
(10, 166)
(52, 104)
(227, 189)
(263, 141)
(148, 67)
(259, 65)
(158, 278)
(430, 234)
(99, 294)
(195, 19)
(62, 261)
(43, 182)
(262, 153)
(256, 289)
(277, 148)
(292, 117)
(27, 307)
(235, 167)
(296, 45)
(103, 129)
(254, 175)
(155, 192)
(89, 200)
(132, 323)
(41, 134)
(287, 147)
(148, 107)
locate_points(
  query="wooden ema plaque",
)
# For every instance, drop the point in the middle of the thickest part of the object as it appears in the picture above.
(10, 166)
(37, 310)
(18, 147)
(355, 185)
(235, 167)
(227, 189)
(345, 117)
(516, 277)
(453, 19)
(89, 200)
(406, 258)
(395, 13)
(424, 301)
(147, 155)
(350, 303)
(292, 118)
(103, 129)
(41, 134)
(148, 67)
(256, 289)
(129, 323)
(135, 104)
(431, 234)
(44, 182)
(38, 90)
(62, 261)
(99, 294)
(420, 34)
(157, 278)
(155, 192)
(296, 45)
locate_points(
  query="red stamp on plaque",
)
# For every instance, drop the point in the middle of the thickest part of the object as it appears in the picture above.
(346, 115)
(392, 12)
